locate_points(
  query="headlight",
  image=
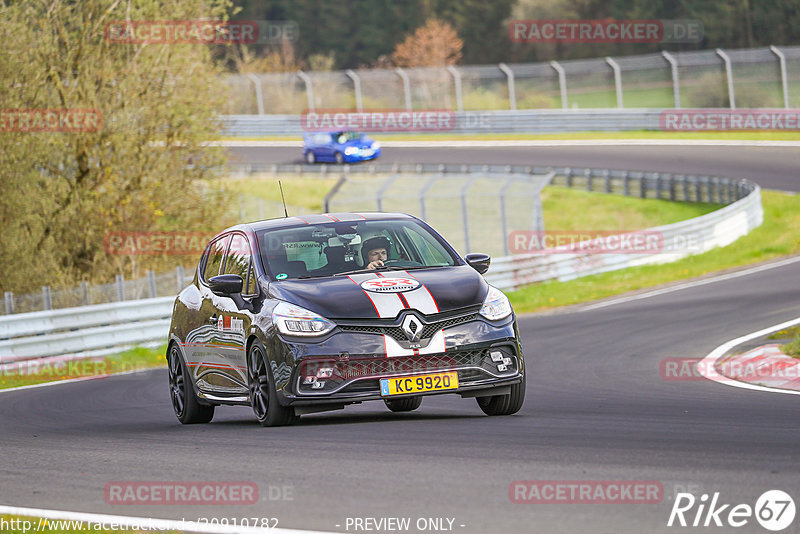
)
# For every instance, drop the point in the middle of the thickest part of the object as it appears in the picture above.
(296, 321)
(495, 305)
(376, 145)
(349, 151)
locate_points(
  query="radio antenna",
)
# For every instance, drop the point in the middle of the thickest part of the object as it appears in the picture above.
(286, 213)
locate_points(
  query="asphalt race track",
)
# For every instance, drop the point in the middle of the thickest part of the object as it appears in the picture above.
(597, 408)
(769, 166)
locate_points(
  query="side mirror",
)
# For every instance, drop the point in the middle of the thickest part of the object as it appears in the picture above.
(479, 262)
(225, 285)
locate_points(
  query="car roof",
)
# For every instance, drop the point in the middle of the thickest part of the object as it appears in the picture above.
(303, 220)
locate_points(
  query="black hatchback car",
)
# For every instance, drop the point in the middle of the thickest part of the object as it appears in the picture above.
(307, 314)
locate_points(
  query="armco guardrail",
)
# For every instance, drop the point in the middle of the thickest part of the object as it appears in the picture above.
(476, 122)
(88, 330)
(108, 328)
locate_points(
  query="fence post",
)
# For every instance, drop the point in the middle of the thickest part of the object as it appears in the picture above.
(784, 81)
(46, 300)
(9, 298)
(356, 88)
(658, 185)
(676, 88)
(617, 80)
(85, 292)
(729, 76)
(457, 83)
(626, 184)
(562, 82)
(588, 174)
(406, 86)
(512, 94)
(607, 180)
(259, 94)
(309, 89)
(120, 287)
(151, 283)
(643, 186)
(671, 185)
(503, 217)
(568, 175)
(464, 213)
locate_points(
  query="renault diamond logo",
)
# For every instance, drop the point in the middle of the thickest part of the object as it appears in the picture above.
(412, 327)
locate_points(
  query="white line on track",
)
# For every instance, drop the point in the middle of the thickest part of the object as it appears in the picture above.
(79, 379)
(706, 366)
(141, 523)
(499, 143)
(701, 282)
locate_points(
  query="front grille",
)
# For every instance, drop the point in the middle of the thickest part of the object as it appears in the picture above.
(428, 330)
(360, 374)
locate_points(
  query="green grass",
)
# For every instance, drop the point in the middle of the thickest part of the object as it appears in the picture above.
(573, 209)
(787, 333)
(792, 348)
(759, 135)
(307, 192)
(778, 236)
(137, 358)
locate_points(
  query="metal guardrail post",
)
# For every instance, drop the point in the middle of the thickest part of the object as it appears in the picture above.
(512, 93)
(607, 180)
(457, 84)
(617, 80)
(671, 185)
(382, 190)
(406, 86)
(326, 202)
(9, 301)
(676, 88)
(643, 186)
(588, 174)
(47, 301)
(85, 293)
(626, 190)
(464, 213)
(784, 81)
(151, 283)
(562, 82)
(120, 280)
(259, 94)
(422, 193)
(503, 217)
(729, 76)
(179, 277)
(309, 89)
(356, 88)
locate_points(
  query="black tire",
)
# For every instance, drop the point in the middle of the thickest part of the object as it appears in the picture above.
(263, 397)
(504, 404)
(311, 159)
(184, 401)
(407, 404)
(339, 157)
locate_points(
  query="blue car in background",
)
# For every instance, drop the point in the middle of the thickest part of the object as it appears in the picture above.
(339, 147)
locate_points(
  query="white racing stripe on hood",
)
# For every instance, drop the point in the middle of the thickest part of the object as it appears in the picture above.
(420, 299)
(387, 305)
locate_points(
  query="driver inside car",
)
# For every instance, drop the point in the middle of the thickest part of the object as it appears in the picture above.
(375, 251)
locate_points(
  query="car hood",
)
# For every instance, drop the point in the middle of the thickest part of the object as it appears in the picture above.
(440, 289)
(362, 142)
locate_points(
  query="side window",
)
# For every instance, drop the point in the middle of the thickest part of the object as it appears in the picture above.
(432, 253)
(238, 262)
(213, 260)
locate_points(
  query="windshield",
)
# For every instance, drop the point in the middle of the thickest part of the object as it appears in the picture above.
(336, 248)
(343, 137)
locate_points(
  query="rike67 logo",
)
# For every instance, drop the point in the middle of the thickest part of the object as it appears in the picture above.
(774, 510)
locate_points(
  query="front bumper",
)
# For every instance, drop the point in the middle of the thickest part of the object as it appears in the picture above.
(362, 155)
(357, 378)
